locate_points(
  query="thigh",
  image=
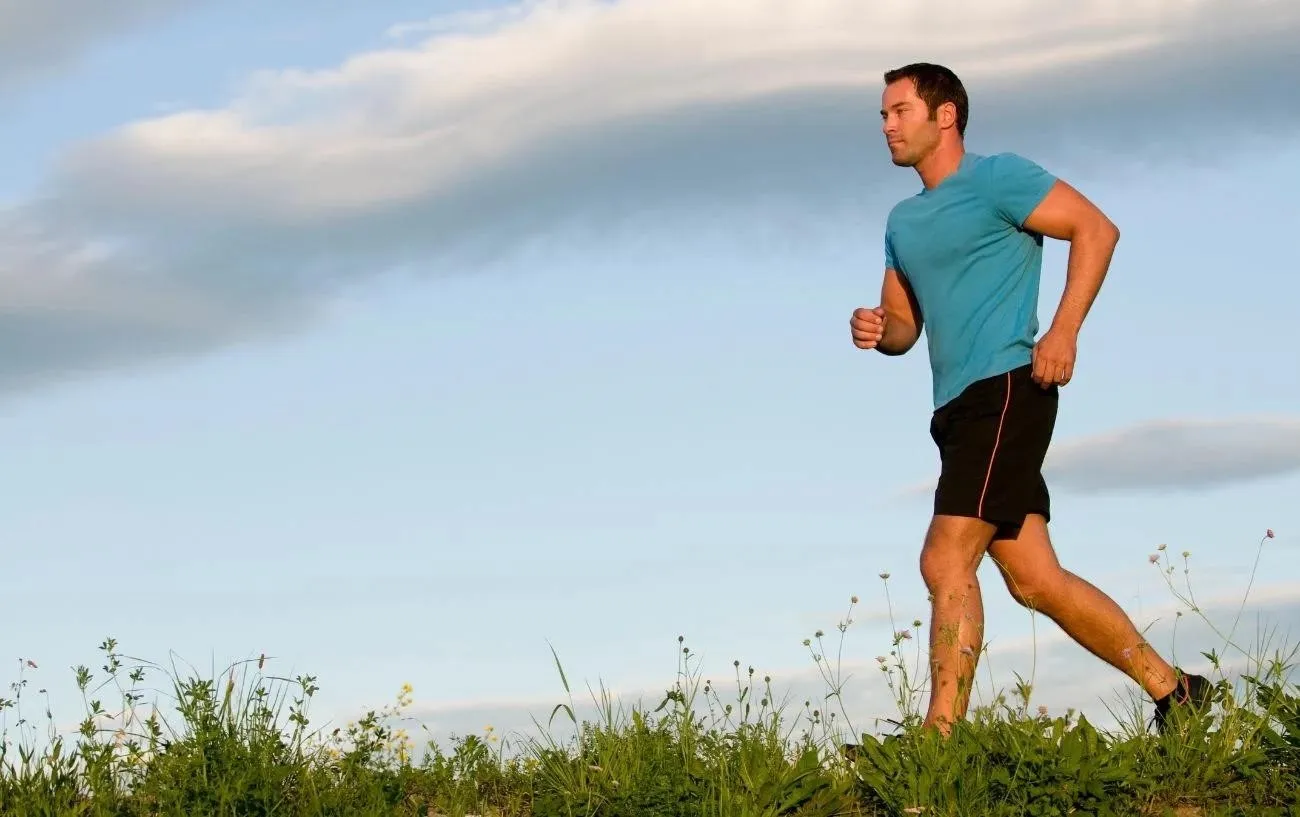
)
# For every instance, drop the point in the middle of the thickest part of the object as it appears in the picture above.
(980, 435)
(1014, 486)
(1027, 556)
(955, 544)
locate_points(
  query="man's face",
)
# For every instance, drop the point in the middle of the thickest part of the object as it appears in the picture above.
(909, 131)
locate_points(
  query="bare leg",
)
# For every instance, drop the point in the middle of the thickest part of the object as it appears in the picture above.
(1036, 580)
(953, 549)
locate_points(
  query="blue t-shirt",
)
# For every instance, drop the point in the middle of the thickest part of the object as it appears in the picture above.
(973, 267)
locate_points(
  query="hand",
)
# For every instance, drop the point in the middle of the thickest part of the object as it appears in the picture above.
(1054, 357)
(867, 326)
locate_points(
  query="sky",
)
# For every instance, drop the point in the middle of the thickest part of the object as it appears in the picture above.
(404, 342)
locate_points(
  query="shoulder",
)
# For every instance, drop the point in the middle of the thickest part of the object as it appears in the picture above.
(1012, 184)
(1002, 161)
(900, 211)
(1007, 166)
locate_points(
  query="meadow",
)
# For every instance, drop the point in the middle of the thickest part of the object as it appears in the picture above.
(155, 741)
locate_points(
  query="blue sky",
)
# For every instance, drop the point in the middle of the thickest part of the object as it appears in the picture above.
(398, 350)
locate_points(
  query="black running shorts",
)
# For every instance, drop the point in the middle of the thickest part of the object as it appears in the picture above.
(992, 439)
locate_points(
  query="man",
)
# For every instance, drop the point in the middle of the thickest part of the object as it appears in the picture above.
(963, 259)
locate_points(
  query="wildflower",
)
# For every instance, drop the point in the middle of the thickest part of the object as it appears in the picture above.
(1268, 534)
(916, 623)
(903, 634)
(1161, 547)
(1042, 710)
(880, 659)
(1186, 553)
(819, 634)
(854, 599)
(1153, 558)
(31, 663)
(884, 576)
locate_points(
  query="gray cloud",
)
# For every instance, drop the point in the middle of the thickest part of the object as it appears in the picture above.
(37, 35)
(211, 227)
(1178, 454)
(1171, 455)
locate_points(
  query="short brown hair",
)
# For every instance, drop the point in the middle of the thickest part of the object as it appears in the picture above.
(936, 85)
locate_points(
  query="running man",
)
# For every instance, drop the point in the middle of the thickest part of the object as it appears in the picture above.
(963, 259)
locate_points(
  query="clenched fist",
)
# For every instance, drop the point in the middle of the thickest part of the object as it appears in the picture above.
(867, 326)
(1054, 355)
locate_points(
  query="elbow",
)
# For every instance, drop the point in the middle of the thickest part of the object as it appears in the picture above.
(1107, 231)
(1098, 231)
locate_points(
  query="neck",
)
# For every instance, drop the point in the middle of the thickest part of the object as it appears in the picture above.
(940, 164)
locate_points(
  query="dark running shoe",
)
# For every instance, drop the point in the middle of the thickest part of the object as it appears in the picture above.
(1195, 691)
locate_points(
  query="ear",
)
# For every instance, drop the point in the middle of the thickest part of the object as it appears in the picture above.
(947, 115)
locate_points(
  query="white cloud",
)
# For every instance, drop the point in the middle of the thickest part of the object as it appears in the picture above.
(248, 217)
(477, 21)
(408, 123)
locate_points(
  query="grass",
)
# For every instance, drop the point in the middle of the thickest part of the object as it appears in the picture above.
(240, 743)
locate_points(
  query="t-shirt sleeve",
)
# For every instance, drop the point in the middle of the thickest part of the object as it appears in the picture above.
(1015, 185)
(890, 261)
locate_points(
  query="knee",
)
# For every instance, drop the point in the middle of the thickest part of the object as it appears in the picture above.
(942, 573)
(952, 551)
(1036, 591)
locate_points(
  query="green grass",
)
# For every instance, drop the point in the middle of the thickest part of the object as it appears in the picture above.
(241, 743)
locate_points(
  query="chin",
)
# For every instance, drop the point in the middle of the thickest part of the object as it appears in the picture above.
(902, 158)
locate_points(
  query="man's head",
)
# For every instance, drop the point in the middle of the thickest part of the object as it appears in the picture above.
(923, 106)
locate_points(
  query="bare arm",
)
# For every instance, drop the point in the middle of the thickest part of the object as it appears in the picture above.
(1065, 214)
(903, 315)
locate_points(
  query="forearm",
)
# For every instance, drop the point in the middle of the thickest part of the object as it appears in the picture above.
(898, 338)
(1091, 250)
